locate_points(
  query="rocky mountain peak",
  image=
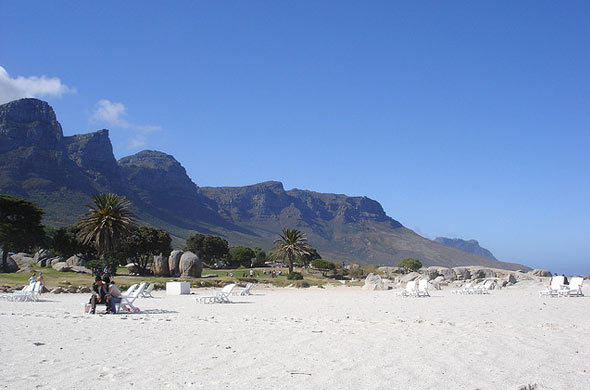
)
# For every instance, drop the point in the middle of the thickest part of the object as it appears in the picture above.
(28, 122)
(470, 246)
(28, 110)
(93, 152)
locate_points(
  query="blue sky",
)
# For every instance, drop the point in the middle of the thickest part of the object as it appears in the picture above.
(464, 119)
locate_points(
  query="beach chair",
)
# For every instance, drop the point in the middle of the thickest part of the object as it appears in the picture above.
(28, 293)
(130, 290)
(466, 289)
(147, 293)
(218, 296)
(411, 289)
(422, 288)
(127, 301)
(554, 289)
(574, 289)
(243, 291)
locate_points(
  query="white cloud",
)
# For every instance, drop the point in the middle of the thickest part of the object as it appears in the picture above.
(114, 114)
(21, 87)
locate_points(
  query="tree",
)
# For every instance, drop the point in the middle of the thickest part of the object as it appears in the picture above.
(291, 245)
(106, 223)
(260, 256)
(209, 248)
(241, 255)
(410, 264)
(64, 242)
(306, 260)
(323, 265)
(20, 226)
(142, 244)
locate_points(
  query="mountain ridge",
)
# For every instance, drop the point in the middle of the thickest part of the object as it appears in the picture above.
(60, 173)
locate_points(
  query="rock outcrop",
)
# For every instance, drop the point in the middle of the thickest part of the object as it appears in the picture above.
(160, 266)
(174, 262)
(373, 282)
(61, 267)
(190, 265)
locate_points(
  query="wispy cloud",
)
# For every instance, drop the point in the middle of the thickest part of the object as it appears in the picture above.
(33, 86)
(114, 114)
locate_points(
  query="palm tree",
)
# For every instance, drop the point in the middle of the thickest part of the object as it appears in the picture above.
(106, 223)
(291, 245)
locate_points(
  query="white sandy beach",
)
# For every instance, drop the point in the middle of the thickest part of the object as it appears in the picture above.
(333, 338)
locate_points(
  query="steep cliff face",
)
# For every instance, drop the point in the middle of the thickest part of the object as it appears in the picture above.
(28, 123)
(61, 173)
(93, 153)
(157, 183)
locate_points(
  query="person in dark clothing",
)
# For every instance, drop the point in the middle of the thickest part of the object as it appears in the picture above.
(100, 294)
(565, 281)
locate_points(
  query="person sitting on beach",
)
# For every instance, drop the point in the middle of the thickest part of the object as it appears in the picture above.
(42, 282)
(99, 295)
(113, 295)
(33, 279)
(565, 281)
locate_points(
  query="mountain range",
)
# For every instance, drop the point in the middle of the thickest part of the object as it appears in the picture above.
(60, 173)
(471, 246)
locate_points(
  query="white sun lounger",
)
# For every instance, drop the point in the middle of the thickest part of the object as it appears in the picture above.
(422, 288)
(147, 293)
(130, 290)
(466, 289)
(411, 290)
(218, 296)
(243, 291)
(29, 293)
(574, 289)
(557, 284)
(127, 301)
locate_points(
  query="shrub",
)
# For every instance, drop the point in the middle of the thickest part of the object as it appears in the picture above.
(410, 264)
(301, 284)
(356, 272)
(295, 276)
(323, 265)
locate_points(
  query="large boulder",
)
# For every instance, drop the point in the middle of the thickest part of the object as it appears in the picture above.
(80, 269)
(160, 266)
(133, 269)
(190, 265)
(409, 277)
(76, 261)
(511, 279)
(55, 260)
(374, 282)
(42, 254)
(430, 273)
(174, 262)
(61, 267)
(23, 259)
(462, 273)
(10, 265)
(540, 272)
(448, 274)
(482, 273)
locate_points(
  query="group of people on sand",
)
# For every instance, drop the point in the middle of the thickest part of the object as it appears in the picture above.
(38, 278)
(105, 292)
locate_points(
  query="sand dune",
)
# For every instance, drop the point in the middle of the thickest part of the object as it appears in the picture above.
(333, 338)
